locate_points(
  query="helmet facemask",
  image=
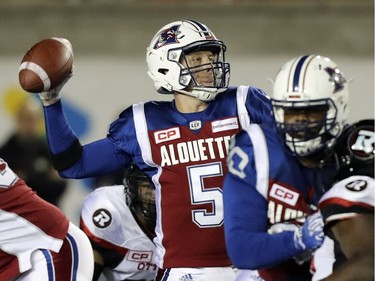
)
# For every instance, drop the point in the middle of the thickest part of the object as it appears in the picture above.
(210, 77)
(313, 132)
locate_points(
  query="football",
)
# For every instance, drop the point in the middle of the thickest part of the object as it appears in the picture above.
(46, 65)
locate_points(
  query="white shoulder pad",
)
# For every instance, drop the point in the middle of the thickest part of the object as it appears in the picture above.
(358, 189)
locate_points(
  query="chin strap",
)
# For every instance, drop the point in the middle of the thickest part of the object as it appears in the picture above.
(203, 94)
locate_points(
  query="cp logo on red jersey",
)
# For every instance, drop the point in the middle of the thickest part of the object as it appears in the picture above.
(284, 194)
(167, 135)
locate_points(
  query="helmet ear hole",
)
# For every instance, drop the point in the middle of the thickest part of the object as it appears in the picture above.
(163, 71)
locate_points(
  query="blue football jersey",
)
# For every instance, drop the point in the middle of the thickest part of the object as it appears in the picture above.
(265, 186)
(184, 155)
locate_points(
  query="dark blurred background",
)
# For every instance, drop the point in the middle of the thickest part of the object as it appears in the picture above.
(257, 26)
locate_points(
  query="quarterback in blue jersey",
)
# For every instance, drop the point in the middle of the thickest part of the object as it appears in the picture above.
(277, 173)
(182, 145)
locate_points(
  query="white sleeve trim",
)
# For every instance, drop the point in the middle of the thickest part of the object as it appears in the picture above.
(340, 217)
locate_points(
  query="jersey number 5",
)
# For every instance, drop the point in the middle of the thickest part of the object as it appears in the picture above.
(200, 194)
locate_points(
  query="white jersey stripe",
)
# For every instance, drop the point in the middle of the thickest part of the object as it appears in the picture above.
(142, 133)
(243, 114)
(261, 158)
(140, 124)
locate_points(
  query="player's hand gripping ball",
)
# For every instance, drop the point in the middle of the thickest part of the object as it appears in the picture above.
(46, 65)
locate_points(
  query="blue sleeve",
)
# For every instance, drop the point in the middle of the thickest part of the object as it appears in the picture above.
(98, 158)
(60, 135)
(259, 106)
(245, 215)
(94, 159)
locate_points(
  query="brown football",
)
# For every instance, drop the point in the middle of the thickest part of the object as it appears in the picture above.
(46, 65)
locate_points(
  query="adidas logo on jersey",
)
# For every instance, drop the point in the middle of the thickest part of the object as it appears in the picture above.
(186, 277)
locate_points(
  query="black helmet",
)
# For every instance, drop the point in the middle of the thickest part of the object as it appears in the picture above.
(355, 150)
(140, 197)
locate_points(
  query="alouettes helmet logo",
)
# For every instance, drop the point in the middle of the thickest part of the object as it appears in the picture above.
(168, 36)
(336, 77)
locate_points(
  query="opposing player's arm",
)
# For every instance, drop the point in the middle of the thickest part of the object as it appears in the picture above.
(356, 238)
(100, 220)
(103, 258)
(98, 265)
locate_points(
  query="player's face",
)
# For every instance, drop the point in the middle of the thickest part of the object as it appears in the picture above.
(146, 193)
(200, 63)
(304, 123)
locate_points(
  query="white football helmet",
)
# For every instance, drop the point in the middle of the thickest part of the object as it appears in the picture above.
(168, 49)
(305, 83)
